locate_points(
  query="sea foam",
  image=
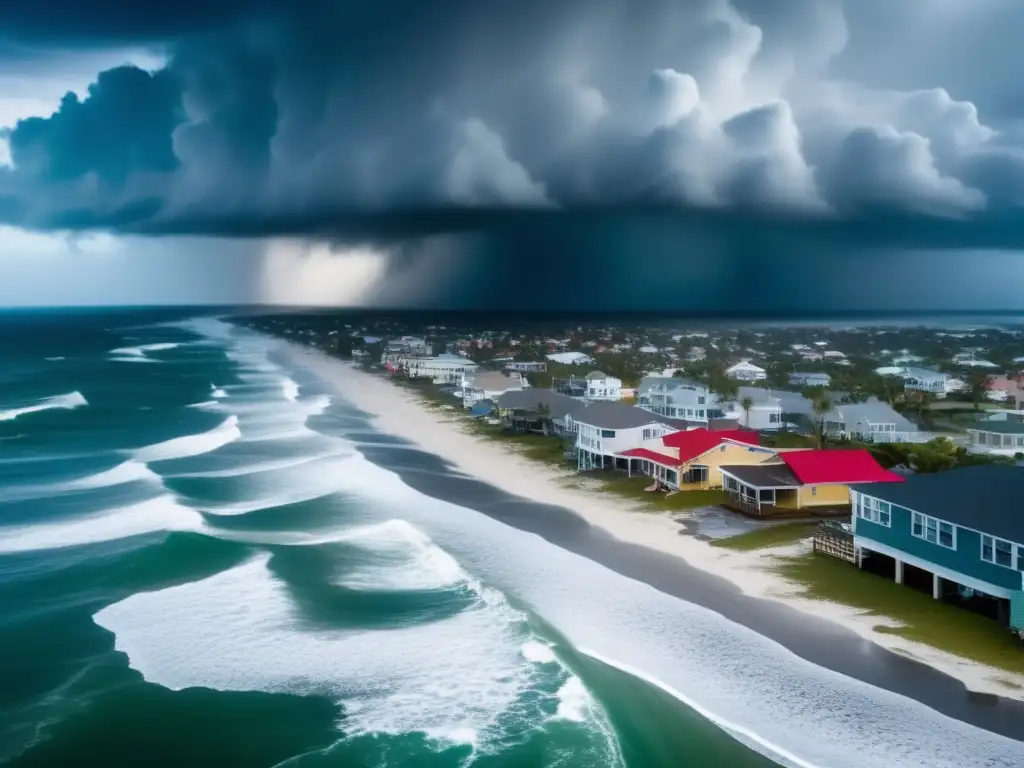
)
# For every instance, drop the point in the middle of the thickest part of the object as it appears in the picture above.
(191, 445)
(162, 513)
(67, 402)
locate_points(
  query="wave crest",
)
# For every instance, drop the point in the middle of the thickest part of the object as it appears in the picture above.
(68, 401)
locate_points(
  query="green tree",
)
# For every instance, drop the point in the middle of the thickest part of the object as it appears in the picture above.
(746, 404)
(821, 404)
(544, 412)
(978, 384)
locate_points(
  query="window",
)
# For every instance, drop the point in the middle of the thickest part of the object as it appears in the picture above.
(875, 511)
(1020, 558)
(935, 531)
(814, 490)
(999, 552)
(607, 433)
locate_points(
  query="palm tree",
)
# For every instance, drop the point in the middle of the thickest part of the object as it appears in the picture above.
(746, 404)
(544, 411)
(821, 405)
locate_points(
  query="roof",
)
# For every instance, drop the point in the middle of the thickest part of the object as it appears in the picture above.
(493, 380)
(745, 365)
(608, 415)
(658, 458)
(695, 442)
(841, 467)
(595, 375)
(763, 475)
(979, 497)
(999, 426)
(558, 404)
(648, 383)
(873, 411)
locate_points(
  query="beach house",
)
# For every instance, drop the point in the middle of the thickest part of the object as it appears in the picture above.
(693, 457)
(676, 397)
(791, 483)
(956, 534)
(746, 371)
(808, 379)
(1004, 437)
(443, 369)
(931, 382)
(530, 408)
(570, 358)
(603, 430)
(601, 386)
(872, 421)
(487, 385)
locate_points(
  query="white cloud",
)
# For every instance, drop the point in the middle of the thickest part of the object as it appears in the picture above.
(299, 273)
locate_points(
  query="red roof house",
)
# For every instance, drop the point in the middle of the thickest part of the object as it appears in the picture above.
(841, 466)
(693, 442)
(816, 481)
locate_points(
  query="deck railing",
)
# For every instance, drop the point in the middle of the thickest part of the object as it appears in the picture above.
(832, 539)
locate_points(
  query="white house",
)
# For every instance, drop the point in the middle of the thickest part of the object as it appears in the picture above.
(677, 398)
(765, 412)
(443, 369)
(601, 386)
(872, 421)
(487, 385)
(746, 371)
(924, 380)
(808, 379)
(604, 430)
(1002, 438)
(570, 358)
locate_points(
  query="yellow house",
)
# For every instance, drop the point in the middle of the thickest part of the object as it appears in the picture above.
(693, 459)
(816, 481)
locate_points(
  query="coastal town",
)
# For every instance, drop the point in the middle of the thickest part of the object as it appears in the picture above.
(886, 455)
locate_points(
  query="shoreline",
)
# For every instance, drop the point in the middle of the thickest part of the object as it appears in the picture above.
(650, 547)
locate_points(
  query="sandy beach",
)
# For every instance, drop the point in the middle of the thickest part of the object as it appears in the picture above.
(399, 413)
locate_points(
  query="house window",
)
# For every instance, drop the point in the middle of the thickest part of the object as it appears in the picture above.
(607, 433)
(1020, 558)
(814, 490)
(773, 418)
(998, 552)
(874, 511)
(935, 531)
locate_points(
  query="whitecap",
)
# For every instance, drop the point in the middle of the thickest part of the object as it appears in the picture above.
(404, 559)
(142, 349)
(573, 701)
(290, 389)
(191, 445)
(52, 359)
(239, 630)
(67, 402)
(126, 472)
(162, 513)
(217, 393)
(538, 652)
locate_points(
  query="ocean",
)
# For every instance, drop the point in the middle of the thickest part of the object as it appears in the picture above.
(200, 564)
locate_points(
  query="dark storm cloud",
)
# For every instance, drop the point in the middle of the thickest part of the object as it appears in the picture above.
(523, 127)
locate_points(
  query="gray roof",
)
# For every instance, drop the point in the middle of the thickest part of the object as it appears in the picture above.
(595, 375)
(999, 426)
(647, 383)
(493, 380)
(615, 416)
(874, 411)
(763, 475)
(791, 402)
(528, 399)
(982, 497)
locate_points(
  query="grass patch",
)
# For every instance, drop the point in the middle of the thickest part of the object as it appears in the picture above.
(767, 536)
(925, 620)
(632, 488)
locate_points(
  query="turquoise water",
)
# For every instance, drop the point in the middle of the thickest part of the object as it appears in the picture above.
(199, 567)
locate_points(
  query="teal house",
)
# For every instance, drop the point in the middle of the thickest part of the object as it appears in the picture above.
(958, 533)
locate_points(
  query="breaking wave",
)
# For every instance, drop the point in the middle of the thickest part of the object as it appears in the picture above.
(191, 445)
(67, 402)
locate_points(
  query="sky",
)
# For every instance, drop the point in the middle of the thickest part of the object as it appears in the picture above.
(701, 155)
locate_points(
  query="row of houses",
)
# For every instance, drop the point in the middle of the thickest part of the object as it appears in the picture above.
(954, 532)
(682, 398)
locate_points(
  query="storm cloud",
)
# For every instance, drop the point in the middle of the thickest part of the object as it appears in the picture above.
(722, 130)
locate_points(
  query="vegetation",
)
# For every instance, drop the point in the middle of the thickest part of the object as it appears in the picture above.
(923, 619)
(934, 456)
(767, 536)
(632, 488)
